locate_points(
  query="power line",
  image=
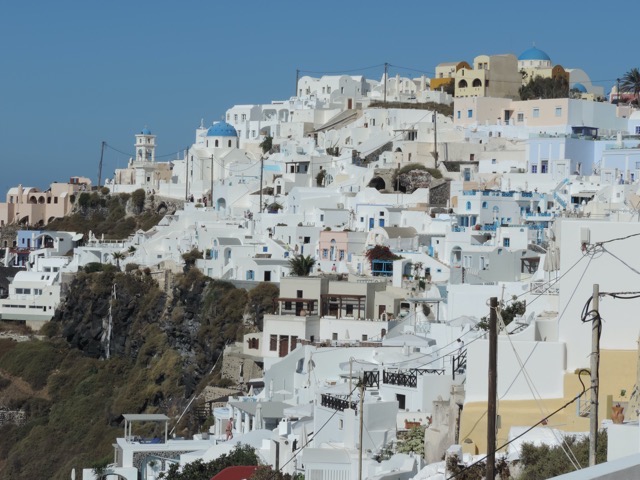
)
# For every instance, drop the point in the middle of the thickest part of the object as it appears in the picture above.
(129, 154)
(543, 421)
(336, 72)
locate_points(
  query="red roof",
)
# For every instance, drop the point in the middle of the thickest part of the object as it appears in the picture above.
(236, 473)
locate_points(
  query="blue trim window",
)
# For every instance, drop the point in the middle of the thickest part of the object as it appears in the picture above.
(382, 268)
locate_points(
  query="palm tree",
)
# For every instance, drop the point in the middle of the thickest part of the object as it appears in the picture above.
(117, 256)
(630, 82)
(301, 266)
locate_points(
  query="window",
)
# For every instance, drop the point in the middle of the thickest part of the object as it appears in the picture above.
(381, 222)
(536, 113)
(506, 241)
(334, 336)
(534, 169)
(469, 113)
(235, 118)
(244, 116)
(468, 205)
(341, 255)
(484, 205)
(273, 343)
(325, 253)
(401, 401)
(558, 111)
(340, 424)
(298, 293)
(458, 113)
(493, 161)
(294, 343)
(382, 214)
(521, 117)
(365, 338)
(638, 130)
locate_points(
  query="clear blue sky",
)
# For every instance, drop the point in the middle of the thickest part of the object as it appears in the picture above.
(75, 73)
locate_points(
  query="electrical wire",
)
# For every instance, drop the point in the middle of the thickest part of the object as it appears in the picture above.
(543, 421)
(309, 440)
(536, 395)
(337, 72)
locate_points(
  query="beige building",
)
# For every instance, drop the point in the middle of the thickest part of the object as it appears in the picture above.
(552, 115)
(445, 73)
(30, 206)
(491, 76)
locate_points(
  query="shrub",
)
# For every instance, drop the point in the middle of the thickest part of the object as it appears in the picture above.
(92, 267)
(137, 199)
(105, 190)
(130, 267)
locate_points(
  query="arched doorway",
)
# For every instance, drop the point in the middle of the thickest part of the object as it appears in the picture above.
(378, 183)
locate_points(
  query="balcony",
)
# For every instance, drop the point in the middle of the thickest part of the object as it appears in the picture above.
(336, 403)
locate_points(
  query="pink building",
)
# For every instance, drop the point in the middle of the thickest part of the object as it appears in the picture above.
(30, 206)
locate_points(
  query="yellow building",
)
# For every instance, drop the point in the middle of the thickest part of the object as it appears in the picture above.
(445, 74)
(617, 377)
(491, 76)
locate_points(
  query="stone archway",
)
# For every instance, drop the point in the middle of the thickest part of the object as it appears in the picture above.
(378, 183)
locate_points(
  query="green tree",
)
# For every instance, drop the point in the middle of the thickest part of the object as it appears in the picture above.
(508, 312)
(241, 455)
(545, 87)
(630, 83)
(301, 266)
(137, 198)
(267, 144)
(265, 472)
(413, 441)
(262, 300)
(190, 258)
(117, 256)
(544, 461)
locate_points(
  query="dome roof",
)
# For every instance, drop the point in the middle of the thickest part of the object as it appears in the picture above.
(145, 131)
(534, 54)
(580, 87)
(222, 129)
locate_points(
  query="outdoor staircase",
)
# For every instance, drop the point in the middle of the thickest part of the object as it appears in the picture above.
(556, 193)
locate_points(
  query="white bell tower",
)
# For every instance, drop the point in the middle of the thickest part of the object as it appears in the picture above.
(145, 146)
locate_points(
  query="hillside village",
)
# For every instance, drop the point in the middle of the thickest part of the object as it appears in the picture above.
(388, 212)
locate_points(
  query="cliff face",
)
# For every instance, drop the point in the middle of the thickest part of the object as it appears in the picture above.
(161, 349)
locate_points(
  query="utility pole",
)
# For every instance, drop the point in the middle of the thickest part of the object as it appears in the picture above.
(386, 68)
(295, 93)
(361, 428)
(186, 176)
(595, 362)
(493, 389)
(211, 181)
(261, 175)
(100, 165)
(435, 137)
